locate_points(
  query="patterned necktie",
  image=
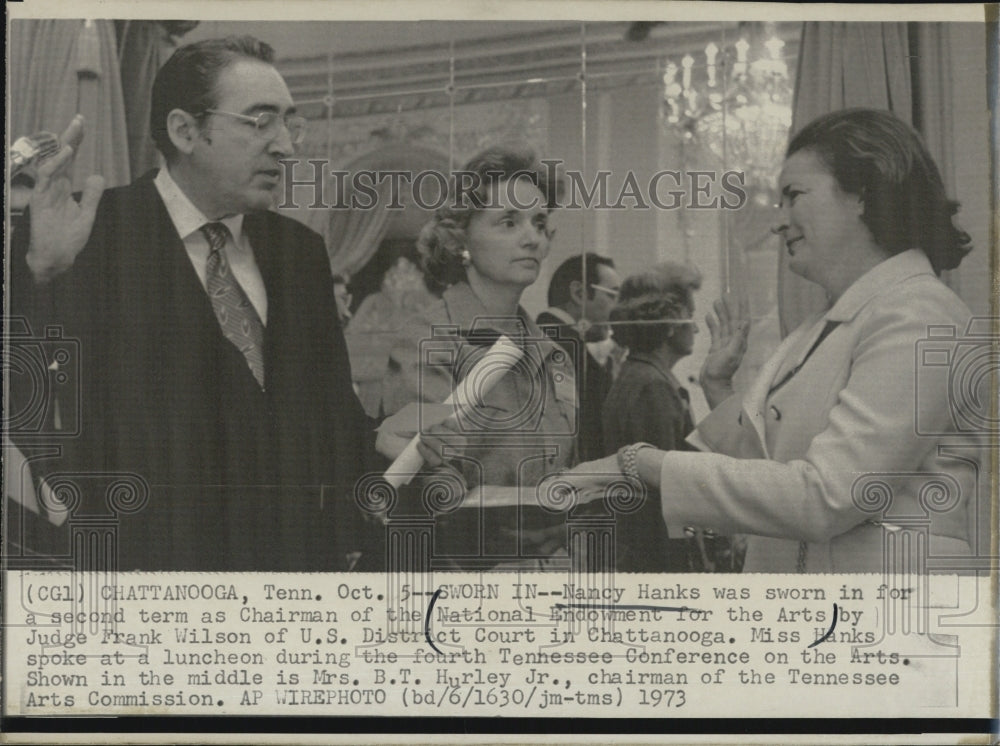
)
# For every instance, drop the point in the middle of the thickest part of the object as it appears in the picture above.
(239, 320)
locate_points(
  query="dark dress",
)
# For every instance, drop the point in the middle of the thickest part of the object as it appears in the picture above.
(646, 404)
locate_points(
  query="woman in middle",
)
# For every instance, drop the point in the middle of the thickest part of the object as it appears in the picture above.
(653, 321)
(647, 403)
(484, 247)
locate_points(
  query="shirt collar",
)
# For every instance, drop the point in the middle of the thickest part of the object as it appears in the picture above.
(185, 216)
(889, 272)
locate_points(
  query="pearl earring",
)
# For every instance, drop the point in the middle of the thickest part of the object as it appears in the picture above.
(466, 258)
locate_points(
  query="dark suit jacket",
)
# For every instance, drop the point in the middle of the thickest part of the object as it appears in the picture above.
(238, 478)
(643, 405)
(593, 383)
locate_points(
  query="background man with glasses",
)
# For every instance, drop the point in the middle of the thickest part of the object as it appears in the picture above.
(212, 360)
(581, 296)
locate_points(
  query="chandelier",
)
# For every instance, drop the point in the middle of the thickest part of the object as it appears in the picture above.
(736, 101)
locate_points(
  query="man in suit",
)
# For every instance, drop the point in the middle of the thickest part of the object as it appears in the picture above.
(212, 363)
(582, 291)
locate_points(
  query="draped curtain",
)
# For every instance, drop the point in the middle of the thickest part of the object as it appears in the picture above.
(896, 66)
(353, 236)
(143, 46)
(61, 67)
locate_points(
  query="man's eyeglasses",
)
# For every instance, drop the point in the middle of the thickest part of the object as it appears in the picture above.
(268, 124)
(610, 291)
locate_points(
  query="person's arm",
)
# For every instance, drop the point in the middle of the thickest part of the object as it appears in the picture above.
(871, 429)
(351, 412)
(649, 465)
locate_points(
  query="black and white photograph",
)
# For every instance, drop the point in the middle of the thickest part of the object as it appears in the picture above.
(608, 362)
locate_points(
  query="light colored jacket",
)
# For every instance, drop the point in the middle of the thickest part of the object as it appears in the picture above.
(845, 453)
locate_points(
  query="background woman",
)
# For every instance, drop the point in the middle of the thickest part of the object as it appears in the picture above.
(647, 403)
(835, 410)
(484, 248)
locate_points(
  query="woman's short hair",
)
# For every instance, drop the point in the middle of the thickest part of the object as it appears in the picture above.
(443, 240)
(876, 155)
(664, 292)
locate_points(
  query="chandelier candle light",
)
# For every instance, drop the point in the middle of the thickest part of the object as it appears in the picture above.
(742, 117)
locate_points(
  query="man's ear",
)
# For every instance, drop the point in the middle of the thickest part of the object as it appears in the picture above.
(576, 292)
(183, 130)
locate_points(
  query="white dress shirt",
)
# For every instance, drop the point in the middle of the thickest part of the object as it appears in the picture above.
(188, 220)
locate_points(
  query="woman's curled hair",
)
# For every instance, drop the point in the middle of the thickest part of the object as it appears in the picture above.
(443, 239)
(665, 292)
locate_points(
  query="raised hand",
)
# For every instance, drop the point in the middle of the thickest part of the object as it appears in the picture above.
(60, 226)
(729, 327)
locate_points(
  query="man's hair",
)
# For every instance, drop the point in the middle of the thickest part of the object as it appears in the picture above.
(572, 269)
(189, 79)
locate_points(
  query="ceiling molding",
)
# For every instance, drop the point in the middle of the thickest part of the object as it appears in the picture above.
(542, 63)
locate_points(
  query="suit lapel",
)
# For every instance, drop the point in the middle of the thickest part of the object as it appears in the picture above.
(255, 226)
(262, 241)
(755, 399)
(263, 238)
(164, 241)
(173, 276)
(797, 354)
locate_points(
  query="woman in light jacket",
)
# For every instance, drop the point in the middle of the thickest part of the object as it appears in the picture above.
(833, 452)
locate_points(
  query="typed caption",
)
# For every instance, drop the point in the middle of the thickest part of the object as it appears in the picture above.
(492, 644)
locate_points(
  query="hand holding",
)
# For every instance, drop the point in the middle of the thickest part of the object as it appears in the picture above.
(435, 423)
(441, 443)
(589, 480)
(60, 226)
(396, 431)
